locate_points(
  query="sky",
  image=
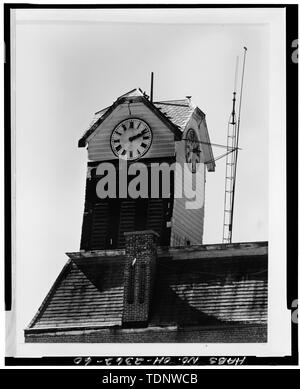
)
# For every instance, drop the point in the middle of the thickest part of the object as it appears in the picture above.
(67, 70)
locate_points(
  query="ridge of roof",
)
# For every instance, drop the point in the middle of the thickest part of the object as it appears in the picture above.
(181, 102)
(133, 92)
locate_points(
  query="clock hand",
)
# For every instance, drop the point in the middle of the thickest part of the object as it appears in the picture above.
(137, 136)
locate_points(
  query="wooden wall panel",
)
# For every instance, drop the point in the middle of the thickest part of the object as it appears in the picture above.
(187, 224)
(163, 139)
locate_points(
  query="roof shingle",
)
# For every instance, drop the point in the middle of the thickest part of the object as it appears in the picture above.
(88, 295)
(195, 291)
(178, 111)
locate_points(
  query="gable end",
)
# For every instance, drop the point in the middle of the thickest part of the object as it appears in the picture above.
(130, 99)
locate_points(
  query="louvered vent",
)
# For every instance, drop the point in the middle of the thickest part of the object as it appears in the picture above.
(100, 219)
(127, 220)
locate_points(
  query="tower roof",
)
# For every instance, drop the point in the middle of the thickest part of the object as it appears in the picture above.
(174, 113)
(179, 111)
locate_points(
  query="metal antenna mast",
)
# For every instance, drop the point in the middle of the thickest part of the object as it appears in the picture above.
(231, 159)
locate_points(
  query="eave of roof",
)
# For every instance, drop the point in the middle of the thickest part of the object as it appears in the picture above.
(78, 330)
(219, 250)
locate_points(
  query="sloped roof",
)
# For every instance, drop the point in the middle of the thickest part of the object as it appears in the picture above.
(179, 111)
(90, 294)
(193, 286)
(135, 95)
(209, 292)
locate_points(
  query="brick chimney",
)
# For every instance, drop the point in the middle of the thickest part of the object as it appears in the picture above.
(141, 251)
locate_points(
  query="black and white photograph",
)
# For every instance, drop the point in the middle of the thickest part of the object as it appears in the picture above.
(148, 167)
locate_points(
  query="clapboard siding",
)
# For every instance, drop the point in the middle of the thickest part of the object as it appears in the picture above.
(163, 139)
(187, 224)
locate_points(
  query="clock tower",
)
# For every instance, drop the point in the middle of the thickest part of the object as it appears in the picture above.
(131, 139)
(128, 283)
(132, 132)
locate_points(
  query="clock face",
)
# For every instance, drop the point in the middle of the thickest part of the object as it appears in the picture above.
(131, 139)
(192, 150)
